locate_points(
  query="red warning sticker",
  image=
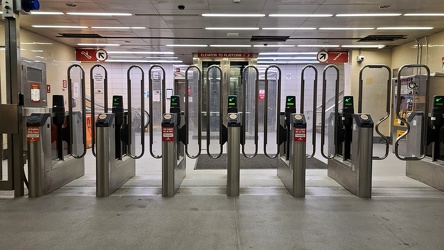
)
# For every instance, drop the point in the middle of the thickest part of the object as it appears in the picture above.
(33, 134)
(300, 134)
(168, 134)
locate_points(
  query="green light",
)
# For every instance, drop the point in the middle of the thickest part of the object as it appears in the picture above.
(290, 101)
(439, 101)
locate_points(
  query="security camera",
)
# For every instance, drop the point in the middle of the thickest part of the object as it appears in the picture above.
(181, 7)
(236, 1)
(265, 44)
(360, 58)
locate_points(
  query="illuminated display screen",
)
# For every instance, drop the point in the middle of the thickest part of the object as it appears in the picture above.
(291, 101)
(348, 101)
(117, 101)
(232, 101)
(174, 101)
(439, 101)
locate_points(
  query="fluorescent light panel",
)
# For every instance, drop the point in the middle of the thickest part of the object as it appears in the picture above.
(300, 15)
(274, 45)
(142, 52)
(288, 58)
(369, 15)
(232, 15)
(288, 53)
(287, 62)
(231, 28)
(289, 28)
(186, 45)
(97, 14)
(47, 13)
(424, 14)
(60, 26)
(144, 61)
(318, 46)
(364, 46)
(98, 44)
(230, 45)
(123, 28)
(36, 43)
(345, 28)
(405, 28)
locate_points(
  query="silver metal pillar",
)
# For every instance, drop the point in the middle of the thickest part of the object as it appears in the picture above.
(105, 159)
(362, 154)
(298, 164)
(169, 153)
(233, 161)
(36, 172)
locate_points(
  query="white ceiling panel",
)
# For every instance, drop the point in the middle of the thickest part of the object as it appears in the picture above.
(143, 21)
(163, 19)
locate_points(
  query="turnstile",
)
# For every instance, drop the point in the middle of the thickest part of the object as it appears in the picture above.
(115, 158)
(173, 148)
(47, 173)
(350, 158)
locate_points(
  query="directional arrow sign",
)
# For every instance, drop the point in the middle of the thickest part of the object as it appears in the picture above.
(101, 55)
(322, 56)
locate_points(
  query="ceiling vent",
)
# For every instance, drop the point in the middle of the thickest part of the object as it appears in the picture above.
(382, 38)
(74, 35)
(269, 38)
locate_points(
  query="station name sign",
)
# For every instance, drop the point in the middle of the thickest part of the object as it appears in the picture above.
(227, 55)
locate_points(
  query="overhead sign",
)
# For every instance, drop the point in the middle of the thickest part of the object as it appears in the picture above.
(227, 55)
(91, 55)
(332, 56)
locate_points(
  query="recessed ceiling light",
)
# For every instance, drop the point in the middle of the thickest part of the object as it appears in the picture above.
(231, 28)
(122, 28)
(368, 14)
(300, 15)
(318, 45)
(288, 53)
(405, 28)
(37, 51)
(274, 45)
(142, 52)
(345, 28)
(99, 44)
(186, 45)
(233, 15)
(46, 13)
(97, 14)
(289, 28)
(60, 26)
(230, 45)
(364, 46)
(424, 14)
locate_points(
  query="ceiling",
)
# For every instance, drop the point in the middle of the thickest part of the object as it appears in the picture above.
(165, 24)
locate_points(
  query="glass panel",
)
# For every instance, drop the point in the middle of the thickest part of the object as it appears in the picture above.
(156, 117)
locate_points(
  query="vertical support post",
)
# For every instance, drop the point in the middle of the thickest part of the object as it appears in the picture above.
(298, 150)
(13, 88)
(363, 154)
(233, 161)
(169, 153)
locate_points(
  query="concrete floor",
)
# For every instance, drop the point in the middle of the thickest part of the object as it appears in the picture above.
(402, 213)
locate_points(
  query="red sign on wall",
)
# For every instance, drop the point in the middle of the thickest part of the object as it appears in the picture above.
(48, 88)
(168, 134)
(91, 55)
(333, 56)
(65, 84)
(227, 55)
(300, 134)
